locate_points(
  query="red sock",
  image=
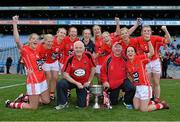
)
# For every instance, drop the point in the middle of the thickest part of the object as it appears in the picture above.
(16, 105)
(159, 106)
(52, 94)
(25, 98)
(151, 102)
(157, 100)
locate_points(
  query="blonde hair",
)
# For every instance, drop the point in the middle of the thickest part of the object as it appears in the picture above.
(48, 37)
(96, 26)
(146, 26)
(61, 29)
(105, 32)
(124, 29)
(31, 35)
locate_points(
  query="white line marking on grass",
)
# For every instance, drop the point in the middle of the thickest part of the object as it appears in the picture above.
(4, 87)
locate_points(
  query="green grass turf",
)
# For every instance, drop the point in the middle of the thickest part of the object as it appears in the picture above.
(170, 91)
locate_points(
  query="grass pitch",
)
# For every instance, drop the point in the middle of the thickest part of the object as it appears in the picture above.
(170, 91)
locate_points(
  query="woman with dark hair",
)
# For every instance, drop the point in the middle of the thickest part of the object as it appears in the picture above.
(137, 73)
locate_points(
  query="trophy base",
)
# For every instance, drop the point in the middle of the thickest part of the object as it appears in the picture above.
(96, 106)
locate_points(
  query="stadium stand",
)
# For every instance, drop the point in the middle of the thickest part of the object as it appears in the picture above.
(172, 53)
(8, 48)
(90, 2)
(54, 12)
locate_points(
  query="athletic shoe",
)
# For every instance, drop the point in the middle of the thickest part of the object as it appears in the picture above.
(165, 105)
(52, 98)
(128, 106)
(59, 107)
(7, 103)
(79, 107)
(19, 98)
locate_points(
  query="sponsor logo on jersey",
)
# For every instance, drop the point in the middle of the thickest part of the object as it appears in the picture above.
(79, 72)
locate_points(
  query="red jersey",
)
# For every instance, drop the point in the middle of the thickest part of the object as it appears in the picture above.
(132, 42)
(137, 70)
(115, 38)
(58, 49)
(67, 47)
(33, 63)
(79, 70)
(113, 71)
(105, 51)
(98, 45)
(47, 54)
(156, 41)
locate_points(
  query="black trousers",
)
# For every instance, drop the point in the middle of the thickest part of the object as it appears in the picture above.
(129, 90)
(164, 72)
(62, 88)
(7, 69)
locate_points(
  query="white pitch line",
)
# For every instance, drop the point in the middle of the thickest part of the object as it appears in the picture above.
(4, 87)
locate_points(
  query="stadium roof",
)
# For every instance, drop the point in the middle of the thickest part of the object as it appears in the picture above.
(87, 2)
(90, 8)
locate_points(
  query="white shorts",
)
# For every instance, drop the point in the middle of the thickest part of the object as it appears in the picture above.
(143, 92)
(154, 66)
(61, 65)
(36, 88)
(51, 67)
(98, 69)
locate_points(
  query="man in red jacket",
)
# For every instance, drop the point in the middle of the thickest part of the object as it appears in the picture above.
(114, 76)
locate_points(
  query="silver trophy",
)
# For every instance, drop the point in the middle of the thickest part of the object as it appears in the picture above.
(97, 90)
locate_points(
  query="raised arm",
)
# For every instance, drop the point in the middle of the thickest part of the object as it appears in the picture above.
(167, 35)
(117, 32)
(15, 32)
(136, 24)
(151, 49)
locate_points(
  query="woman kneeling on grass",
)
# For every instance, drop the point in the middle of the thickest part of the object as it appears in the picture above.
(36, 83)
(137, 73)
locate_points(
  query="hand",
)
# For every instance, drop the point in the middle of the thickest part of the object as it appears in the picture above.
(79, 85)
(29, 71)
(95, 55)
(106, 85)
(164, 28)
(87, 84)
(139, 21)
(117, 20)
(15, 19)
